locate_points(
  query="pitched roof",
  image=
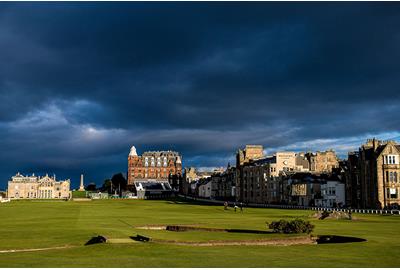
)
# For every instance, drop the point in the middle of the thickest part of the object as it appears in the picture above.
(398, 147)
(380, 149)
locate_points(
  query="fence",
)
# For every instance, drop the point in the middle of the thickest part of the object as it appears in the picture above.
(261, 205)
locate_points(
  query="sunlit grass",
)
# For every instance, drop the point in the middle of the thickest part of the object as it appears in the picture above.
(30, 224)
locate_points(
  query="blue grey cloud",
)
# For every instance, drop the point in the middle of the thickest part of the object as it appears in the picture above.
(81, 82)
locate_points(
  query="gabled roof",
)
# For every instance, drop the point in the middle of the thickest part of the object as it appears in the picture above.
(380, 148)
(398, 147)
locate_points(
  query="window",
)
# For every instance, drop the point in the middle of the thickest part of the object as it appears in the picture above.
(165, 162)
(391, 159)
(393, 193)
(391, 176)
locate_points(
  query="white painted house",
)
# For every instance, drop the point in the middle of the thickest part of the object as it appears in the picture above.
(205, 189)
(333, 194)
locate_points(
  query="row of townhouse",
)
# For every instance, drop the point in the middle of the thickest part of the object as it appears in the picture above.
(372, 175)
(368, 178)
(261, 179)
(218, 184)
(288, 178)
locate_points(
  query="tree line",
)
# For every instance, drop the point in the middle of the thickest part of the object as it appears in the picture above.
(117, 184)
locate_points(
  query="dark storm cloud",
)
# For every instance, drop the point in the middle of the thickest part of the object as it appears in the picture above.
(82, 82)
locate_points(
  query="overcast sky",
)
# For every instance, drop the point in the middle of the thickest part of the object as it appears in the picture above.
(82, 82)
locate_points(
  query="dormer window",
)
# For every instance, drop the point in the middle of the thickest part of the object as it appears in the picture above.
(391, 159)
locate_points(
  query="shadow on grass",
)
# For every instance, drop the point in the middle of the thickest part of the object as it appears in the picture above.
(188, 201)
(140, 238)
(96, 240)
(337, 239)
(248, 231)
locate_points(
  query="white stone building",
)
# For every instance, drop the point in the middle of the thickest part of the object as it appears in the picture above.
(34, 187)
(205, 188)
(333, 194)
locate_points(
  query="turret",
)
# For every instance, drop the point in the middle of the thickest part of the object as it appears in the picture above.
(133, 151)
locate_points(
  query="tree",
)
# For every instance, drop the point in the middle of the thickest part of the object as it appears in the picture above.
(91, 187)
(119, 182)
(106, 187)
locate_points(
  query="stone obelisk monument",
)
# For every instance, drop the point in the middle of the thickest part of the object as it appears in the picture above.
(81, 186)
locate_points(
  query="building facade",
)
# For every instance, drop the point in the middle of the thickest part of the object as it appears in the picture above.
(153, 189)
(190, 176)
(245, 156)
(303, 188)
(34, 187)
(258, 180)
(255, 175)
(322, 161)
(224, 184)
(332, 194)
(155, 165)
(352, 178)
(375, 175)
(205, 188)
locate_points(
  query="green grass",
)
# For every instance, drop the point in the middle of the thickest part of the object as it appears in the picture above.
(78, 194)
(36, 224)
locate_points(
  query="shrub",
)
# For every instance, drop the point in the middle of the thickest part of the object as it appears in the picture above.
(294, 226)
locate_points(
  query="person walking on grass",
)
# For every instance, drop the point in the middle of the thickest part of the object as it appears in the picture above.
(225, 205)
(241, 207)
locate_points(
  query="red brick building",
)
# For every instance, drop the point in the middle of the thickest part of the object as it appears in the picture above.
(159, 165)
